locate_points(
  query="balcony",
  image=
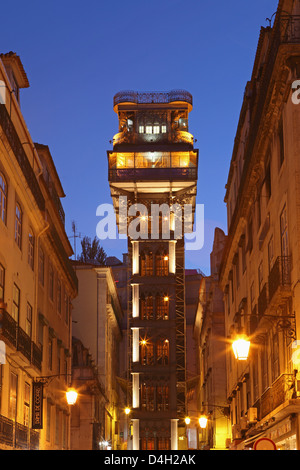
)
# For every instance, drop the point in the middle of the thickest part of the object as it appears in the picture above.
(135, 138)
(17, 435)
(276, 395)
(152, 174)
(280, 280)
(18, 339)
(129, 96)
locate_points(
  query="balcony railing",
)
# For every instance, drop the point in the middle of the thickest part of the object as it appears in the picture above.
(129, 96)
(280, 276)
(276, 395)
(17, 338)
(152, 174)
(17, 435)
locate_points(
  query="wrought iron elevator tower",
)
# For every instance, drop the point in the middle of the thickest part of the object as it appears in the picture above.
(153, 170)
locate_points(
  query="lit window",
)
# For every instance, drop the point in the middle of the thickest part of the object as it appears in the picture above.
(31, 250)
(148, 129)
(28, 325)
(141, 129)
(18, 226)
(155, 129)
(163, 129)
(16, 303)
(3, 198)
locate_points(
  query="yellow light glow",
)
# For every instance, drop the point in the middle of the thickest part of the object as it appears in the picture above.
(71, 396)
(127, 411)
(187, 420)
(203, 422)
(166, 258)
(143, 342)
(166, 298)
(241, 348)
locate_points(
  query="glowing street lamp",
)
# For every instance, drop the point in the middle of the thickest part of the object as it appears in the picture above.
(127, 410)
(203, 421)
(241, 348)
(71, 396)
(187, 420)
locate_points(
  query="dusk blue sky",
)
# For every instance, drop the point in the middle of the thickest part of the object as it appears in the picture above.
(77, 55)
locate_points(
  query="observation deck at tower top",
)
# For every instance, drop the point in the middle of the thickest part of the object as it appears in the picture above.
(156, 98)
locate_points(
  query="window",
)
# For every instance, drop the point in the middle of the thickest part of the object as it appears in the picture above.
(67, 308)
(31, 249)
(48, 423)
(162, 307)
(141, 129)
(161, 264)
(275, 354)
(51, 283)
(3, 198)
(156, 130)
(147, 352)
(270, 254)
(41, 267)
(59, 297)
(26, 404)
(13, 388)
(163, 129)
(28, 325)
(268, 180)
(147, 397)
(147, 264)
(57, 426)
(260, 276)
(18, 226)
(16, 303)
(284, 233)
(50, 353)
(162, 351)
(147, 307)
(2, 279)
(162, 398)
(148, 129)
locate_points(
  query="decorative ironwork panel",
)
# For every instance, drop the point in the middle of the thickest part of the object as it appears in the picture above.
(24, 343)
(152, 97)
(8, 327)
(6, 431)
(21, 436)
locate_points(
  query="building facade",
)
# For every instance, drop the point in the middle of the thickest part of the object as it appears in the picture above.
(209, 333)
(98, 316)
(37, 282)
(259, 274)
(152, 167)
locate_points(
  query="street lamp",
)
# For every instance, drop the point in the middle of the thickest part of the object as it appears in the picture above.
(127, 410)
(71, 396)
(241, 347)
(187, 420)
(203, 421)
